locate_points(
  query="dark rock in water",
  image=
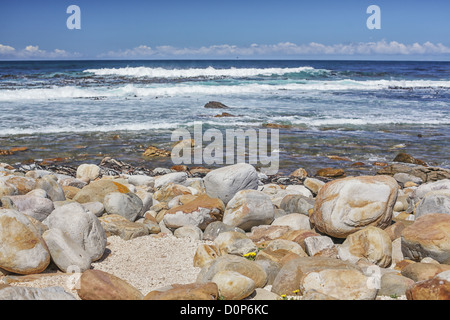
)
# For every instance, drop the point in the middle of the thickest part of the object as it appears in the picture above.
(215, 105)
(406, 158)
(223, 114)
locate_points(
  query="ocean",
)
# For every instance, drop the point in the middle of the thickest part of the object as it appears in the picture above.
(74, 112)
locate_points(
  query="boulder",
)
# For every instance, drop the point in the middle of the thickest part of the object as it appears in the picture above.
(174, 177)
(347, 205)
(343, 284)
(213, 229)
(54, 190)
(22, 184)
(233, 285)
(316, 244)
(291, 275)
(297, 204)
(36, 207)
(421, 271)
(314, 185)
(88, 172)
(100, 285)
(117, 225)
(26, 293)
(65, 253)
(225, 182)
(393, 284)
(437, 288)
(371, 243)
(97, 190)
(204, 254)
(249, 208)
(427, 174)
(189, 231)
(127, 205)
(82, 227)
(433, 202)
(199, 212)
(295, 221)
(239, 264)
(189, 292)
(428, 236)
(22, 248)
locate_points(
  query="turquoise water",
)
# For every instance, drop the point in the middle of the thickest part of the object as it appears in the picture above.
(363, 110)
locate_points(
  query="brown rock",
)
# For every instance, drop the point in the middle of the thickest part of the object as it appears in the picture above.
(191, 291)
(437, 288)
(395, 230)
(267, 232)
(22, 184)
(204, 254)
(299, 173)
(406, 158)
(70, 192)
(223, 114)
(299, 236)
(338, 158)
(215, 105)
(116, 225)
(22, 248)
(330, 172)
(100, 285)
(153, 151)
(428, 236)
(421, 271)
(97, 190)
(200, 212)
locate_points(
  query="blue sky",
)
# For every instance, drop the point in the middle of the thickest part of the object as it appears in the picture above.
(294, 29)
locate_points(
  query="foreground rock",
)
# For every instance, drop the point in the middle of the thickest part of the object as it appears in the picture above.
(24, 293)
(200, 212)
(249, 208)
(100, 285)
(65, 253)
(437, 288)
(82, 227)
(428, 236)
(191, 291)
(238, 264)
(347, 205)
(22, 249)
(225, 182)
(371, 243)
(116, 225)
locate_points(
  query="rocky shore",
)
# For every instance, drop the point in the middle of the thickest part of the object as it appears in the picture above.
(111, 231)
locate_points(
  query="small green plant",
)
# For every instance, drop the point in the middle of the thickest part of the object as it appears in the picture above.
(394, 296)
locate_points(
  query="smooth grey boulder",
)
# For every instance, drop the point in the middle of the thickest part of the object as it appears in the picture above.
(127, 205)
(81, 226)
(68, 255)
(225, 182)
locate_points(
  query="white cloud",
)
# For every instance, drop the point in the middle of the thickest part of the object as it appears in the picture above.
(287, 49)
(33, 52)
(282, 49)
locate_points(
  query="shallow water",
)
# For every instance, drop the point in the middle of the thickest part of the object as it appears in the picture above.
(81, 111)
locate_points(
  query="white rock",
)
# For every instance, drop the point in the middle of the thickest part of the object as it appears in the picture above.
(174, 177)
(82, 227)
(295, 221)
(88, 172)
(66, 254)
(128, 205)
